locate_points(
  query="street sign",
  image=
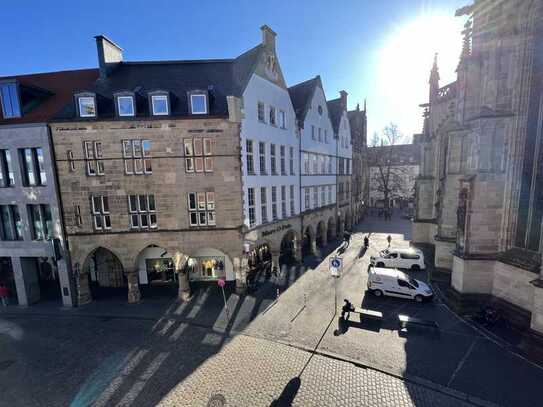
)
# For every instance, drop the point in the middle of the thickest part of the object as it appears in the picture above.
(336, 264)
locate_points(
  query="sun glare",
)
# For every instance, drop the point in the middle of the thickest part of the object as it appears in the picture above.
(404, 64)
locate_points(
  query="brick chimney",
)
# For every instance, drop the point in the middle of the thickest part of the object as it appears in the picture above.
(109, 54)
(268, 36)
(343, 96)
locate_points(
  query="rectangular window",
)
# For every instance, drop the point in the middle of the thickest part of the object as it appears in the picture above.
(198, 104)
(41, 222)
(323, 196)
(315, 197)
(330, 194)
(282, 158)
(283, 201)
(11, 226)
(33, 166)
(93, 158)
(7, 178)
(313, 133)
(307, 168)
(77, 215)
(340, 191)
(251, 205)
(282, 120)
(261, 112)
(274, 203)
(199, 154)
(262, 153)
(315, 165)
(249, 157)
(9, 100)
(263, 205)
(272, 116)
(160, 105)
(87, 106)
(291, 160)
(330, 161)
(347, 189)
(201, 208)
(292, 197)
(100, 212)
(137, 156)
(326, 136)
(322, 160)
(307, 198)
(273, 168)
(142, 211)
(320, 134)
(125, 105)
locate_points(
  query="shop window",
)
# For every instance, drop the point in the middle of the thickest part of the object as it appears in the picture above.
(33, 167)
(206, 267)
(94, 158)
(251, 206)
(11, 225)
(100, 212)
(142, 210)
(7, 178)
(137, 157)
(201, 208)
(199, 154)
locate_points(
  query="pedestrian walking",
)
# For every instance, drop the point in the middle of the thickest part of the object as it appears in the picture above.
(389, 239)
(4, 293)
(366, 242)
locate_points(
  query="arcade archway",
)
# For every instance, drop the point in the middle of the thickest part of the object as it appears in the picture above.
(105, 274)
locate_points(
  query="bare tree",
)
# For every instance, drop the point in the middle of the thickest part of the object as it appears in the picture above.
(388, 177)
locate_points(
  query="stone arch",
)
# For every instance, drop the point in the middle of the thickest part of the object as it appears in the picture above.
(102, 274)
(208, 263)
(331, 229)
(321, 237)
(156, 271)
(290, 247)
(308, 241)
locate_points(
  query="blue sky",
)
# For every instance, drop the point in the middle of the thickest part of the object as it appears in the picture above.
(378, 50)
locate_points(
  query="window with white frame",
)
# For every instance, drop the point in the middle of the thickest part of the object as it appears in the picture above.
(7, 177)
(315, 165)
(249, 157)
(137, 157)
(125, 106)
(282, 159)
(315, 197)
(330, 161)
(262, 154)
(292, 197)
(251, 206)
(274, 203)
(263, 205)
(283, 201)
(273, 168)
(87, 106)
(160, 105)
(199, 154)
(282, 119)
(313, 137)
(201, 206)
(93, 158)
(322, 160)
(330, 201)
(198, 103)
(307, 198)
(142, 210)
(323, 196)
(291, 160)
(272, 116)
(307, 168)
(100, 212)
(261, 111)
(320, 134)
(326, 136)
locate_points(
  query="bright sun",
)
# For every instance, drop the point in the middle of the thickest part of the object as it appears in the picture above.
(404, 64)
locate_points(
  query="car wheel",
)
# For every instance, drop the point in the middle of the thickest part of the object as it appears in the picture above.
(380, 264)
(419, 298)
(415, 267)
(377, 293)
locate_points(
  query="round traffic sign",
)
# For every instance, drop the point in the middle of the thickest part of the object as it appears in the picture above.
(336, 263)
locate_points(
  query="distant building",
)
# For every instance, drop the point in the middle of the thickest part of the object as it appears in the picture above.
(360, 171)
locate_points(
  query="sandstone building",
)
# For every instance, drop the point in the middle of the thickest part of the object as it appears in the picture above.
(480, 191)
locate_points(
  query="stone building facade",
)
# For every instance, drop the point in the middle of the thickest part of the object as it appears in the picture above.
(360, 171)
(479, 194)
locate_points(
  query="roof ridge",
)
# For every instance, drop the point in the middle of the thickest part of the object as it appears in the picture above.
(304, 82)
(27, 75)
(179, 61)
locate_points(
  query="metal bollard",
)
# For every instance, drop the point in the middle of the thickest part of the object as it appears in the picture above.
(277, 294)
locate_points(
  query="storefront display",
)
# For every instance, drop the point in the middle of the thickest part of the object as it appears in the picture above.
(206, 268)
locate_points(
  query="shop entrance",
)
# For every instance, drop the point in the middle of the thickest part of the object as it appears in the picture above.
(156, 272)
(48, 280)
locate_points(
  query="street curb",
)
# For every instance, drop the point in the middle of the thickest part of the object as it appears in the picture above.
(406, 377)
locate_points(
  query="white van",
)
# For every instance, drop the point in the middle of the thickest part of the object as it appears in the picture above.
(395, 283)
(409, 258)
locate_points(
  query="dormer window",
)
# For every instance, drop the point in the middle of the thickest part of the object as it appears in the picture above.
(86, 104)
(125, 106)
(160, 105)
(198, 103)
(9, 100)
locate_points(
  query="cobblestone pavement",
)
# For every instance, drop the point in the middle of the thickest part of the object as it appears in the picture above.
(267, 374)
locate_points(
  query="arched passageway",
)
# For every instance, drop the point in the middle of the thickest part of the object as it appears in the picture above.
(105, 274)
(308, 243)
(321, 238)
(289, 248)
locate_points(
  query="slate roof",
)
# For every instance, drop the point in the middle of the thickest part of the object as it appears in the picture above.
(301, 96)
(220, 77)
(51, 90)
(335, 110)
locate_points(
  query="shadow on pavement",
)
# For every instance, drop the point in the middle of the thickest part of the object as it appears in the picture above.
(288, 394)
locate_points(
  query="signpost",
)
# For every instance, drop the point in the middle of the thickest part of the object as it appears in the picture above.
(221, 284)
(336, 266)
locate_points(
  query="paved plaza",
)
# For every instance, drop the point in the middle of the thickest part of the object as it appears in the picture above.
(263, 351)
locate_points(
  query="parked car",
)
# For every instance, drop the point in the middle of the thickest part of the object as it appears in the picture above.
(396, 283)
(399, 258)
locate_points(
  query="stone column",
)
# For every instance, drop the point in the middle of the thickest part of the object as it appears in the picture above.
(241, 269)
(134, 294)
(275, 261)
(19, 280)
(324, 239)
(180, 262)
(83, 289)
(297, 249)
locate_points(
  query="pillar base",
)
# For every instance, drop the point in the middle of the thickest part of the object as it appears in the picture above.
(184, 296)
(134, 294)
